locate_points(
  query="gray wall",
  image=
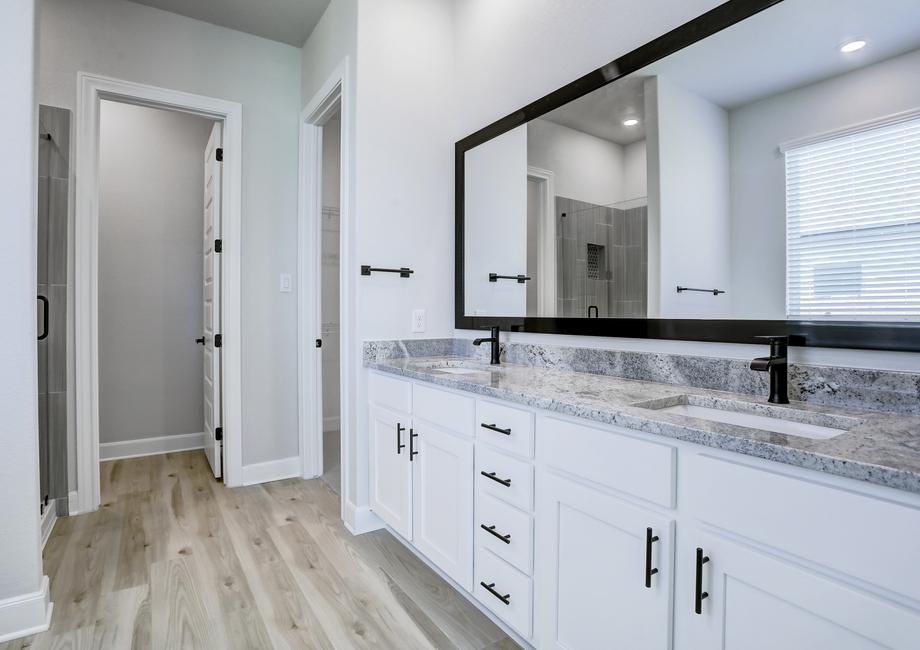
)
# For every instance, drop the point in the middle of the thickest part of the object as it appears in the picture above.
(150, 272)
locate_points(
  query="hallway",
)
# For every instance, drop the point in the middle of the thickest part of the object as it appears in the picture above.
(174, 559)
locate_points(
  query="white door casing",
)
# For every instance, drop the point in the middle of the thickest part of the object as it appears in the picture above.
(211, 301)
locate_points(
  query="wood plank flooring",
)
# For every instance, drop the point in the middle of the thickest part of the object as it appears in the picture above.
(173, 559)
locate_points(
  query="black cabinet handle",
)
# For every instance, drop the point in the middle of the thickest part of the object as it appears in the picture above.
(399, 443)
(492, 427)
(491, 530)
(412, 436)
(44, 302)
(649, 571)
(504, 481)
(698, 592)
(490, 588)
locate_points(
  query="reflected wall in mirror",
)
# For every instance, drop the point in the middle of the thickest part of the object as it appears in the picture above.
(772, 170)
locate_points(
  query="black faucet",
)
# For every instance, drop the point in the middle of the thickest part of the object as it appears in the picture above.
(496, 349)
(777, 364)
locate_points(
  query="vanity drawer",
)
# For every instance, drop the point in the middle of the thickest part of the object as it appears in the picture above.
(513, 532)
(447, 410)
(516, 427)
(509, 479)
(390, 392)
(619, 461)
(871, 539)
(509, 583)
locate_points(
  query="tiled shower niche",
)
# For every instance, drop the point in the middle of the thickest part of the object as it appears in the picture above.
(601, 260)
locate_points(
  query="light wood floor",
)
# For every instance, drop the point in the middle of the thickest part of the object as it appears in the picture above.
(173, 559)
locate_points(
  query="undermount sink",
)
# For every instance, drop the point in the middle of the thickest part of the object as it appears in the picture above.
(458, 367)
(765, 417)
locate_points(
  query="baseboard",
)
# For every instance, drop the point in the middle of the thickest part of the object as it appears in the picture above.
(25, 615)
(273, 470)
(332, 423)
(360, 520)
(150, 446)
(73, 503)
(49, 518)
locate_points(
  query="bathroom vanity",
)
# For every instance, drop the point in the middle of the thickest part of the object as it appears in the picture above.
(583, 512)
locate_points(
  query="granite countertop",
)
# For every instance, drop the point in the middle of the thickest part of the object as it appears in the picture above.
(878, 447)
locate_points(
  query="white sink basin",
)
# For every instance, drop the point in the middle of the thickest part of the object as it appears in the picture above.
(777, 419)
(460, 371)
(458, 367)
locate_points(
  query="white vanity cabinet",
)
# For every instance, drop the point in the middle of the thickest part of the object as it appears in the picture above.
(390, 470)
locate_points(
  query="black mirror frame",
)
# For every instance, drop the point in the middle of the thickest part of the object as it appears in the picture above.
(878, 335)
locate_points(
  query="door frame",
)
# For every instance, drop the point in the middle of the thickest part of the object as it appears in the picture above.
(334, 95)
(91, 89)
(546, 242)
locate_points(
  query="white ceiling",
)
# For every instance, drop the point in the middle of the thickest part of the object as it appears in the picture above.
(286, 21)
(601, 113)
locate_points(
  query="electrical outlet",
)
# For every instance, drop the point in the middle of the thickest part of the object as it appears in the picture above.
(418, 320)
(285, 283)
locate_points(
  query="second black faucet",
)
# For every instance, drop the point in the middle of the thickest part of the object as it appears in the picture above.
(496, 348)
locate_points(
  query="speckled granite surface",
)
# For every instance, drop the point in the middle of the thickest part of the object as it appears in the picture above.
(883, 447)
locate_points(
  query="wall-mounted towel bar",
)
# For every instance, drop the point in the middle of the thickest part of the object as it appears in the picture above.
(714, 292)
(403, 271)
(495, 277)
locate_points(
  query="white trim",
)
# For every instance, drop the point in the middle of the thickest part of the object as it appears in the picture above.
(895, 118)
(49, 518)
(272, 470)
(546, 238)
(73, 503)
(151, 446)
(90, 90)
(334, 94)
(360, 520)
(27, 614)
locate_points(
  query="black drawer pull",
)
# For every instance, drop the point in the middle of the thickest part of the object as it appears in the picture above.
(699, 593)
(400, 445)
(649, 571)
(491, 529)
(492, 427)
(504, 481)
(489, 587)
(412, 436)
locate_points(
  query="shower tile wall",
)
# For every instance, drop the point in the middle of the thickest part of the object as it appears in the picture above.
(53, 193)
(617, 239)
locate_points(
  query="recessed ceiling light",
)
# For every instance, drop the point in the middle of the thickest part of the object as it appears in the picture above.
(630, 122)
(852, 46)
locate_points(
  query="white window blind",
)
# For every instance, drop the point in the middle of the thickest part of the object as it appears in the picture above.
(853, 225)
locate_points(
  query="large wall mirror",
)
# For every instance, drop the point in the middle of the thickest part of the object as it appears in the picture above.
(756, 171)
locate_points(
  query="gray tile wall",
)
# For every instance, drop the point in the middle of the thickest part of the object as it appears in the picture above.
(53, 196)
(618, 288)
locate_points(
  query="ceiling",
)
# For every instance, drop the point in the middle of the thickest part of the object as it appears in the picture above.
(286, 21)
(601, 113)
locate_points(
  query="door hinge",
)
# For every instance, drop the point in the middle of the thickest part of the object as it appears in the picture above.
(219, 154)
(218, 246)
(218, 341)
(219, 433)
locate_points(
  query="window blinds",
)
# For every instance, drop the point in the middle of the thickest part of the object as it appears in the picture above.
(853, 225)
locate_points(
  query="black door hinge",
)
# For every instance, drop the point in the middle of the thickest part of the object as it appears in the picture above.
(319, 343)
(218, 246)
(218, 341)
(219, 154)
(219, 433)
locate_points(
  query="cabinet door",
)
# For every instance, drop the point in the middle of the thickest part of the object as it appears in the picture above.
(593, 568)
(442, 469)
(390, 470)
(757, 602)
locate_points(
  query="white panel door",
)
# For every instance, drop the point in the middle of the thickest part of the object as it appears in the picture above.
(213, 447)
(604, 580)
(442, 500)
(390, 470)
(756, 602)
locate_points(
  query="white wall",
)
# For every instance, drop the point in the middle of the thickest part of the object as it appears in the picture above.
(692, 204)
(586, 168)
(150, 278)
(635, 171)
(140, 44)
(758, 169)
(20, 543)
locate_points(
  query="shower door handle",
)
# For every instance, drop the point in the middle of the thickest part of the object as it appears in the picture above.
(44, 302)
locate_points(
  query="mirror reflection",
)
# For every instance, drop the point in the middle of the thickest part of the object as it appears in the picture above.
(770, 171)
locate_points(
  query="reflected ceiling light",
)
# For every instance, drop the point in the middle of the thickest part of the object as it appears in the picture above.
(852, 46)
(630, 122)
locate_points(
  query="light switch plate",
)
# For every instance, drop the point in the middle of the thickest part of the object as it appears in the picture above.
(285, 283)
(418, 320)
